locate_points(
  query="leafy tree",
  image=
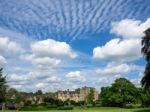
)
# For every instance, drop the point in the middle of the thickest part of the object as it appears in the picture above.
(104, 96)
(90, 97)
(3, 87)
(39, 92)
(146, 52)
(121, 92)
(14, 96)
(144, 97)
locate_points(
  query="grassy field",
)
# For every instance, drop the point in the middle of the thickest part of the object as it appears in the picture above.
(103, 109)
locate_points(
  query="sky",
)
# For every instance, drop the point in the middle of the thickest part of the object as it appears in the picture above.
(66, 44)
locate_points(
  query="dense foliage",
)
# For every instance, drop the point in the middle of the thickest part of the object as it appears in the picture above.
(122, 93)
(146, 51)
(3, 87)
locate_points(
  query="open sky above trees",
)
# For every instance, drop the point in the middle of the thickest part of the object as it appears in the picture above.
(60, 44)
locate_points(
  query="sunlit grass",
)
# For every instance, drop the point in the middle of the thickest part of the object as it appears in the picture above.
(102, 109)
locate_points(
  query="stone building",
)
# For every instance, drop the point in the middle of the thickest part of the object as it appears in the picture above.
(79, 94)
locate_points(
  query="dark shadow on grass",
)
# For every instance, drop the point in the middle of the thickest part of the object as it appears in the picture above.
(143, 110)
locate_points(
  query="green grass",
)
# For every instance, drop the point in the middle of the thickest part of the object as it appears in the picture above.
(102, 109)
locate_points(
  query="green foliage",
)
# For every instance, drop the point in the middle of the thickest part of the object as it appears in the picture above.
(90, 97)
(145, 97)
(50, 106)
(146, 52)
(121, 93)
(39, 92)
(14, 96)
(66, 108)
(33, 108)
(3, 87)
(53, 101)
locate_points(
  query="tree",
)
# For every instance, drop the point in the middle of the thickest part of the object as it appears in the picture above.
(104, 96)
(14, 96)
(121, 92)
(146, 52)
(90, 97)
(3, 87)
(39, 92)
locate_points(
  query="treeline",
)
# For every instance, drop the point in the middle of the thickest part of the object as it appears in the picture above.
(122, 93)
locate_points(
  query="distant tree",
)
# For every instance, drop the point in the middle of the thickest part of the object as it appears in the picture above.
(39, 92)
(3, 87)
(90, 97)
(14, 96)
(146, 52)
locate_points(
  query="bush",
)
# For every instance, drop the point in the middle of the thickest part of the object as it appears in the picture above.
(89, 105)
(51, 106)
(30, 108)
(42, 104)
(129, 105)
(65, 108)
(11, 106)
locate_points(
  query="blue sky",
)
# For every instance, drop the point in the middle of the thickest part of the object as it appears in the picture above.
(60, 44)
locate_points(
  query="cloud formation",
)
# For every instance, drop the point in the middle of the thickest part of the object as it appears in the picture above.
(52, 48)
(2, 61)
(75, 76)
(119, 50)
(67, 19)
(130, 28)
(8, 47)
(49, 53)
(118, 69)
(122, 49)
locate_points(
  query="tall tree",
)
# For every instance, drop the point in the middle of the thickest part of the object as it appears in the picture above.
(90, 96)
(146, 52)
(121, 93)
(3, 86)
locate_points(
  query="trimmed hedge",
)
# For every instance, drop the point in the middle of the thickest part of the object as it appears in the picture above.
(30, 108)
(51, 106)
(66, 108)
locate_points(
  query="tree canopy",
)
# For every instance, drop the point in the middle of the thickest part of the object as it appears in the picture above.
(3, 86)
(146, 52)
(121, 92)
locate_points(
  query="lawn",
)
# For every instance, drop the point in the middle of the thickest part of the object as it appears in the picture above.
(102, 109)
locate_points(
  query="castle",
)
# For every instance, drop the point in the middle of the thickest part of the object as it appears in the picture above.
(79, 94)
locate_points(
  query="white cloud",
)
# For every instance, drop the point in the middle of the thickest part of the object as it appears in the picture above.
(8, 47)
(16, 78)
(53, 79)
(117, 50)
(129, 47)
(115, 69)
(41, 85)
(2, 61)
(42, 62)
(36, 80)
(17, 86)
(130, 28)
(49, 53)
(52, 48)
(75, 76)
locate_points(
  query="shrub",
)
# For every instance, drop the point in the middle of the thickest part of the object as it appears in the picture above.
(51, 106)
(11, 106)
(129, 105)
(30, 108)
(65, 108)
(89, 105)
